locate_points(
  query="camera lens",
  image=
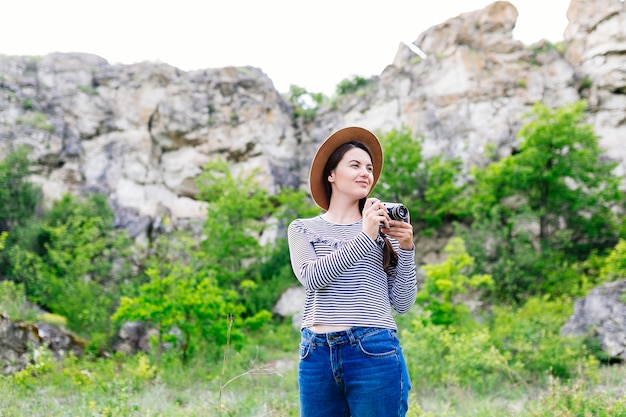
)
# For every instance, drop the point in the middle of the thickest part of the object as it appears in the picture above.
(397, 211)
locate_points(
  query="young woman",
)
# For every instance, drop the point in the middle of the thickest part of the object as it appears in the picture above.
(356, 264)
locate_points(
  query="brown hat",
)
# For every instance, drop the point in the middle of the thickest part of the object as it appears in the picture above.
(347, 134)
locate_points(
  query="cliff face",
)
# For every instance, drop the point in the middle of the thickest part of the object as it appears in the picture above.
(141, 133)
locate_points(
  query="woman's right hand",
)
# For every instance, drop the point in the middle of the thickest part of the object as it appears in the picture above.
(374, 214)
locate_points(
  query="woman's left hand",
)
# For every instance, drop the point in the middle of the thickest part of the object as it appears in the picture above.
(400, 231)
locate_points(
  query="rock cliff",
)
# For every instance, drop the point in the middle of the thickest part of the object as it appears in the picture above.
(141, 133)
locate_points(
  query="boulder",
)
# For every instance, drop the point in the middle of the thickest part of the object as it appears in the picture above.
(602, 315)
(19, 340)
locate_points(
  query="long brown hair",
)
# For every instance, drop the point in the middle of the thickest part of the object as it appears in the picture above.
(390, 256)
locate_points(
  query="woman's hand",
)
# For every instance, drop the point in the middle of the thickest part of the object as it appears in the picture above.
(375, 214)
(400, 231)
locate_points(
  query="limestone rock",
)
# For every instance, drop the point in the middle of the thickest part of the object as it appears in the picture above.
(142, 133)
(18, 341)
(290, 302)
(602, 314)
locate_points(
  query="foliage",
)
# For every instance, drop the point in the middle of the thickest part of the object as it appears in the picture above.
(79, 272)
(290, 204)
(542, 224)
(614, 266)
(13, 302)
(443, 356)
(20, 201)
(195, 287)
(271, 278)
(305, 104)
(181, 296)
(530, 336)
(426, 186)
(516, 346)
(273, 273)
(134, 386)
(19, 198)
(447, 281)
(237, 208)
(573, 401)
(351, 85)
(544, 207)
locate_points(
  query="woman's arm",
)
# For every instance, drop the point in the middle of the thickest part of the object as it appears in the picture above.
(317, 272)
(402, 281)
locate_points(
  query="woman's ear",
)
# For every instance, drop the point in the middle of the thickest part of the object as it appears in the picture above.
(331, 177)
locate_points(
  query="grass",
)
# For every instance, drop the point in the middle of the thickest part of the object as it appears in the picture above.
(132, 386)
(262, 381)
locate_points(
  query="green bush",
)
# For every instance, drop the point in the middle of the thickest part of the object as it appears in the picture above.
(445, 283)
(13, 302)
(615, 263)
(439, 356)
(546, 206)
(79, 270)
(530, 338)
(575, 401)
(518, 346)
(351, 85)
(427, 186)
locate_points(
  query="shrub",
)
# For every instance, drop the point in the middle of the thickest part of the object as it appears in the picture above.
(530, 337)
(573, 400)
(439, 356)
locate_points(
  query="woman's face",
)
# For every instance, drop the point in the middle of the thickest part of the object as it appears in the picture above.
(353, 176)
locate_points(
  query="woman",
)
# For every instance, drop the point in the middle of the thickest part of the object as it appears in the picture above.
(356, 264)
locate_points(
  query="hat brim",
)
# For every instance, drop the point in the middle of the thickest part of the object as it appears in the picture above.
(338, 138)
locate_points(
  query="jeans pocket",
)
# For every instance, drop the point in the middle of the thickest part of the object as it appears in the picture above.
(379, 345)
(305, 349)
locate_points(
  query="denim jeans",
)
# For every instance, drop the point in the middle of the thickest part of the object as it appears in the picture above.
(358, 372)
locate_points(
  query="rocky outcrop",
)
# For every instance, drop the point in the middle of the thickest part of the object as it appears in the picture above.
(596, 48)
(19, 341)
(142, 133)
(134, 336)
(602, 316)
(290, 305)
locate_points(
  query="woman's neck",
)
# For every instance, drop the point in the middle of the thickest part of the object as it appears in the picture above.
(343, 214)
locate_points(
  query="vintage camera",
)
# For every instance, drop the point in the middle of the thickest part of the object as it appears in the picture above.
(397, 211)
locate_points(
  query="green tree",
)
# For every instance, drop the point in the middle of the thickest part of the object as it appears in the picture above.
(20, 204)
(545, 206)
(305, 103)
(196, 285)
(81, 270)
(428, 187)
(446, 282)
(181, 296)
(273, 273)
(351, 85)
(237, 210)
(19, 198)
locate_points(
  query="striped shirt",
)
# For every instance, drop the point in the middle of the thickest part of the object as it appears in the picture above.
(340, 267)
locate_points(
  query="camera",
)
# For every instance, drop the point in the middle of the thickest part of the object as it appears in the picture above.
(397, 211)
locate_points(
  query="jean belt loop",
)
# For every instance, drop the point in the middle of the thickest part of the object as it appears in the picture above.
(351, 337)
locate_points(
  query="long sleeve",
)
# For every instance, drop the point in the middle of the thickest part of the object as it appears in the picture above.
(315, 272)
(403, 281)
(341, 269)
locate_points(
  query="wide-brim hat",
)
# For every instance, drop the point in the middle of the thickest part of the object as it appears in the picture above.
(319, 191)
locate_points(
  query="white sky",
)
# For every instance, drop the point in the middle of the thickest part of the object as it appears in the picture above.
(313, 44)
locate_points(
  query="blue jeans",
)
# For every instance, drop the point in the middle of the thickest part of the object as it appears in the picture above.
(358, 372)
